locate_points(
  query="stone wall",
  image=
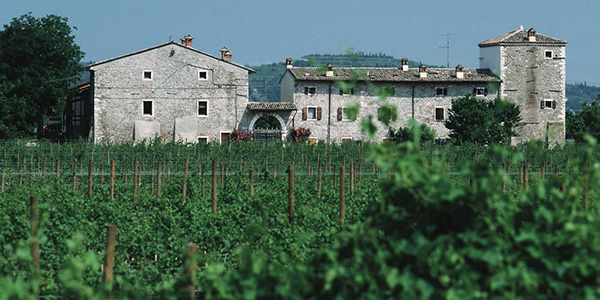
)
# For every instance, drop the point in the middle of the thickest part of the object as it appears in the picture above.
(174, 89)
(416, 100)
(529, 79)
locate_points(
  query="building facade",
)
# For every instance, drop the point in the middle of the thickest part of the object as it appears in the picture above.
(532, 69)
(522, 66)
(419, 93)
(172, 92)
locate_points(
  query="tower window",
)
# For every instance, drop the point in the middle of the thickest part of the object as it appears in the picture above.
(147, 75)
(439, 114)
(202, 108)
(441, 91)
(147, 108)
(548, 54)
(202, 75)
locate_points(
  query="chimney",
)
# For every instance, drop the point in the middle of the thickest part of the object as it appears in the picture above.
(288, 63)
(422, 71)
(187, 40)
(329, 72)
(531, 34)
(226, 55)
(404, 64)
(460, 74)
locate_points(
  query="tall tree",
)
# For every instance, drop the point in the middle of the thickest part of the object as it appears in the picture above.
(478, 120)
(39, 60)
(585, 121)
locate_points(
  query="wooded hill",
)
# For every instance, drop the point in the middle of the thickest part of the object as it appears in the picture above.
(264, 84)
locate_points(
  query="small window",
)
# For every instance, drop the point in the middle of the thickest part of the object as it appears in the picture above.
(202, 108)
(202, 140)
(548, 54)
(389, 91)
(312, 113)
(342, 114)
(349, 91)
(346, 139)
(439, 114)
(202, 75)
(147, 107)
(147, 75)
(441, 91)
(225, 136)
(548, 104)
(310, 90)
(480, 91)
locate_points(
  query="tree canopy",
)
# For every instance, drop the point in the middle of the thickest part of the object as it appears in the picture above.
(39, 60)
(478, 120)
(585, 121)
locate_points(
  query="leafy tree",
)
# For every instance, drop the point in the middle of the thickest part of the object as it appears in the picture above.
(589, 117)
(478, 120)
(405, 134)
(38, 61)
(574, 126)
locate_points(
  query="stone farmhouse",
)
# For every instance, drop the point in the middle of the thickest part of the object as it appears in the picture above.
(177, 93)
(522, 66)
(171, 91)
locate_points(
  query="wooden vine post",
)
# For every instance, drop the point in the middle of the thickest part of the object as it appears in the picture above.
(526, 175)
(214, 187)
(112, 180)
(352, 178)
(109, 256)
(35, 242)
(319, 178)
(251, 180)
(185, 174)
(74, 174)
(158, 179)
(291, 194)
(190, 267)
(90, 178)
(342, 198)
(135, 178)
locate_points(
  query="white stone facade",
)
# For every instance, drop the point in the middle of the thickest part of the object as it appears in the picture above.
(161, 89)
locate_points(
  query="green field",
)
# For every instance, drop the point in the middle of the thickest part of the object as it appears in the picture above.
(419, 222)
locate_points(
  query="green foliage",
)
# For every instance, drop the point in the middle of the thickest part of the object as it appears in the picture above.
(477, 120)
(585, 121)
(38, 61)
(406, 134)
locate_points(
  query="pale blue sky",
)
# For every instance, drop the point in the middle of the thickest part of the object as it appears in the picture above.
(264, 31)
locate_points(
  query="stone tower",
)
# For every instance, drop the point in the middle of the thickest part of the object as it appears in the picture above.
(532, 69)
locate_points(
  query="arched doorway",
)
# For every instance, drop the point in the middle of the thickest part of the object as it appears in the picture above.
(267, 127)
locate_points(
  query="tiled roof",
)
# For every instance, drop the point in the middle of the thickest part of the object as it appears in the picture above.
(393, 75)
(271, 106)
(250, 71)
(520, 37)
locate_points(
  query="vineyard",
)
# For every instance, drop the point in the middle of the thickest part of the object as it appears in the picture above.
(246, 220)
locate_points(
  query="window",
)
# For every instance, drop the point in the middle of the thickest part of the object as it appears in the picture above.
(548, 54)
(439, 114)
(202, 75)
(203, 108)
(480, 91)
(202, 140)
(346, 139)
(147, 108)
(147, 75)
(389, 91)
(349, 91)
(311, 113)
(310, 90)
(548, 104)
(225, 136)
(342, 114)
(441, 91)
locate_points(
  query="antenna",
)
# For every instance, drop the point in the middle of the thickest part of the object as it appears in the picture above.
(447, 47)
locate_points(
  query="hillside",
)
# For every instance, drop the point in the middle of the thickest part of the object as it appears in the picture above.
(579, 93)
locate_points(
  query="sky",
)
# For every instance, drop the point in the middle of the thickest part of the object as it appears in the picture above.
(266, 31)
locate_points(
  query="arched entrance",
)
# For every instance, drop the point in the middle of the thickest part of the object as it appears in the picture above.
(267, 127)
